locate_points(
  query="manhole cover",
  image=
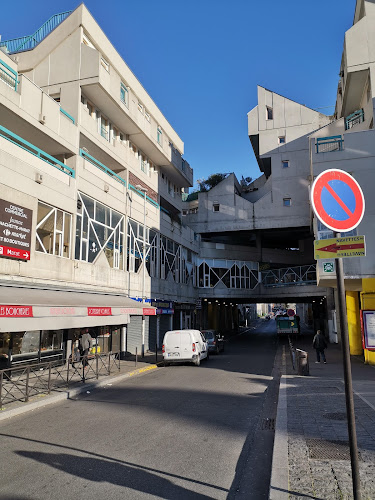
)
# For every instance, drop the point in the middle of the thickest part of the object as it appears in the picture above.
(328, 450)
(268, 424)
(335, 416)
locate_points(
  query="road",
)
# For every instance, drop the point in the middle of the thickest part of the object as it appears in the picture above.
(180, 432)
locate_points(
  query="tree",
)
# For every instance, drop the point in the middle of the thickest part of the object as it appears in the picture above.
(213, 180)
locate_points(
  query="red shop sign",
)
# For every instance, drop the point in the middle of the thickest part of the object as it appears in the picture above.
(148, 311)
(99, 311)
(16, 311)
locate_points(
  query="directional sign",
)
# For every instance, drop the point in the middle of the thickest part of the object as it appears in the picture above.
(349, 246)
(337, 200)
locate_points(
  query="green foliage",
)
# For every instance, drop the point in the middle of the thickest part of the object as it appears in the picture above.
(213, 180)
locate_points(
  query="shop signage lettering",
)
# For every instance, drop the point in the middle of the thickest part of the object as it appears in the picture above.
(62, 311)
(16, 311)
(15, 231)
(148, 311)
(99, 311)
(164, 310)
(130, 310)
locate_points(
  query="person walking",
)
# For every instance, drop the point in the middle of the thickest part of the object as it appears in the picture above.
(85, 344)
(320, 344)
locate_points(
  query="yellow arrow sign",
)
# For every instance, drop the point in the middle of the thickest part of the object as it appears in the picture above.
(348, 246)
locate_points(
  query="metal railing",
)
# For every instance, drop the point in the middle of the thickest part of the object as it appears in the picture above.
(328, 144)
(354, 119)
(8, 75)
(22, 383)
(289, 276)
(67, 115)
(34, 150)
(29, 42)
(140, 193)
(101, 166)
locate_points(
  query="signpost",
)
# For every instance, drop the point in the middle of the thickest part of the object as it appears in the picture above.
(338, 202)
(349, 246)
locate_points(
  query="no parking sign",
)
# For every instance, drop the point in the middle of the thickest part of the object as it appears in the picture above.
(337, 200)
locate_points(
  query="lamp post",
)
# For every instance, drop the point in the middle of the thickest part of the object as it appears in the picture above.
(144, 191)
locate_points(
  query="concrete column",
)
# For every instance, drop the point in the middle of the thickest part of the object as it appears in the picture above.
(123, 342)
(354, 323)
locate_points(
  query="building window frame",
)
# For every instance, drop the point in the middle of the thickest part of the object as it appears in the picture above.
(60, 237)
(287, 201)
(159, 136)
(216, 206)
(281, 139)
(124, 94)
(269, 113)
(285, 163)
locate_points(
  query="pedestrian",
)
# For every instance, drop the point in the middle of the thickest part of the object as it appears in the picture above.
(319, 344)
(85, 344)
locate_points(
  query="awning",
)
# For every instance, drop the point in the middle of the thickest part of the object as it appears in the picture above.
(23, 308)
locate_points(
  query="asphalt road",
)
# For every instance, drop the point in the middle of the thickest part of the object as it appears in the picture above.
(180, 432)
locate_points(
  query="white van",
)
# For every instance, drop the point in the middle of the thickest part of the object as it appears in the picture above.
(181, 346)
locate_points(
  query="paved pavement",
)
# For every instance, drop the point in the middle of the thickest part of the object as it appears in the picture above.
(311, 454)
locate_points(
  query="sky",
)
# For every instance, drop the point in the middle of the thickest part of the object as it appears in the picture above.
(201, 61)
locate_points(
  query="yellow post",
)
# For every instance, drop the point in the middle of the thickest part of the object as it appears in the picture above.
(354, 323)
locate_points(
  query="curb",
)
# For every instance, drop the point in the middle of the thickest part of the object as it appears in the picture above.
(279, 484)
(47, 400)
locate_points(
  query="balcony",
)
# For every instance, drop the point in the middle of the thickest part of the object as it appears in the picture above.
(8, 75)
(181, 164)
(328, 144)
(354, 119)
(289, 276)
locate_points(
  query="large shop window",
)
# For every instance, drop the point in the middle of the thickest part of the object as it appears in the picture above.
(135, 248)
(53, 231)
(99, 229)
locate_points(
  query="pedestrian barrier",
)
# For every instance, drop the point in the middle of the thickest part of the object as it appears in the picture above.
(302, 362)
(20, 383)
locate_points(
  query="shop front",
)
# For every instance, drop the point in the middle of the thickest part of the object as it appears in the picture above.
(184, 316)
(47, 325)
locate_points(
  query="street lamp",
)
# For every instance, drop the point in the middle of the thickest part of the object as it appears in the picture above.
(144, 191)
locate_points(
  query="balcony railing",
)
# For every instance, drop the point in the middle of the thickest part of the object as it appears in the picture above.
(289, 276)
(354, 119)
(29, 42)
(67, 115)
(101, 166)
(328, 144)
(30, 148)
(8, 75)
(179, 162)
(140, 193)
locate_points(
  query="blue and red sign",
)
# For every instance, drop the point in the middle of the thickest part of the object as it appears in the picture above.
(337, 200)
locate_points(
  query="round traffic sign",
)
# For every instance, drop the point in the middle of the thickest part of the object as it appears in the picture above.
(290, 312)
(337, 200)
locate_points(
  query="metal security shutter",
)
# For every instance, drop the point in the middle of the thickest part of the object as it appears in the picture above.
(165, 325)
(152, 333)
(134, 334)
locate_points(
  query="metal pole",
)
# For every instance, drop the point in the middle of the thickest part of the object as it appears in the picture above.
(348, 378)
(144, 271)
(136, 356)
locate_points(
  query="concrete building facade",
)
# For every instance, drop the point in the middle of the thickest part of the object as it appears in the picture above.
(97, 170)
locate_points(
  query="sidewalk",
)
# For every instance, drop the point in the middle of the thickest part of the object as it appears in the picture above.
(311, 454)
(128, 368)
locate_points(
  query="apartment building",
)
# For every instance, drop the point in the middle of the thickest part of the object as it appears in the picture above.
(92, 175)
(348, 144)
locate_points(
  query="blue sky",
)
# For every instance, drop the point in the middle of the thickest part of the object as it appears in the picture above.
(201, 61)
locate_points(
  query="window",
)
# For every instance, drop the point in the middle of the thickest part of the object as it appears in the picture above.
(185, 212)
(104, 63)
(147, 116)
(269, 113)
(140, 107)
(124, 95)
(285, 163)
(216, 207)
(282, 139)
(53, 231)
(193, 210)
(159, 136)
(104, 132)
(287, 202)
(86, 41)
(143, 162)
(56, 97)
(99, 229)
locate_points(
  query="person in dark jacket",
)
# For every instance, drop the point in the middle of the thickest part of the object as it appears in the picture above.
(319, 344)
(85, 343)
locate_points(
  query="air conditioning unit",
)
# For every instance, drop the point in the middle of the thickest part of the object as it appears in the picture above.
(42, 119)
(38, 177)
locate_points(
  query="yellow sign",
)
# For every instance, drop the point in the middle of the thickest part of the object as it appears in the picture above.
(348, 246)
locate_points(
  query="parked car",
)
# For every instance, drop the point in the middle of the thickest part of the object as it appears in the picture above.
(214, 340)
(181, 346)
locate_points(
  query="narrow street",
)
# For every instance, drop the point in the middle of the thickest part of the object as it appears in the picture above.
(178, 432)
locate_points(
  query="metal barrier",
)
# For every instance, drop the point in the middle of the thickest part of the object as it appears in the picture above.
(300, 359)
(21, 383)
(327, 144)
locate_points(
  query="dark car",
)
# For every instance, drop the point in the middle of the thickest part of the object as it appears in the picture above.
(214, 340)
